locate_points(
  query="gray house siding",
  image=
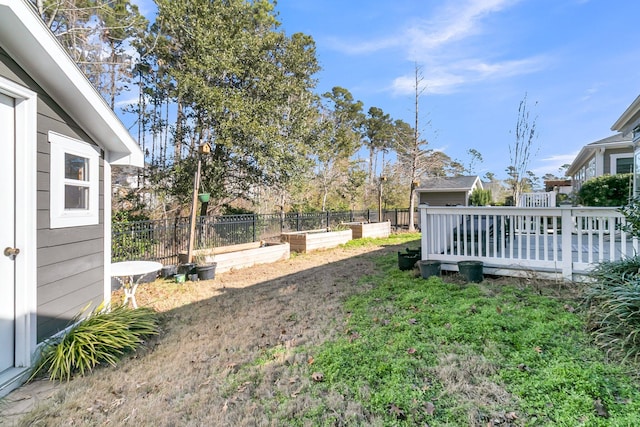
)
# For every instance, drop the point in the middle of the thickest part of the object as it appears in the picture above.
(609, 153)
(443, 199)
(70, 261)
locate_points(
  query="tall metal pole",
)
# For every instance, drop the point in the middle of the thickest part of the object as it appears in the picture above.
(380, 200)
(194, 206)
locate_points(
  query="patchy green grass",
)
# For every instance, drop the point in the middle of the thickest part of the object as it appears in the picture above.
(411, 239)
(343, 338)
(417, 352)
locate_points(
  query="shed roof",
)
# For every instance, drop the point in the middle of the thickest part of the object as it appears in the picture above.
(33, 47)
(449, 184)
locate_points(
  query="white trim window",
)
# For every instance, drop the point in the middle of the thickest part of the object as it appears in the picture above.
(74, 188)
(621, 163)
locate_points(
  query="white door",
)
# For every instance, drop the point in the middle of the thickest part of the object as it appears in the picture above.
(7, 233)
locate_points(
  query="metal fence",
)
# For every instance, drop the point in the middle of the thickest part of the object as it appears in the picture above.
(163, 240)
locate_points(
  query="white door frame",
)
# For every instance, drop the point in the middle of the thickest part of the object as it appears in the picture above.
(26, 303)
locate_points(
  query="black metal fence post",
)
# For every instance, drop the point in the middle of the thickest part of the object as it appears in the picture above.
(254, 227)
(281, 221)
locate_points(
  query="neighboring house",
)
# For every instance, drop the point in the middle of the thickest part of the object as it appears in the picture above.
(560, 186)
(611, 155)
(448, 191)
(629, 126)
(58, 139)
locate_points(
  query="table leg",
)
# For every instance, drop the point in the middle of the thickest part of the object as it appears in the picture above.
(129, 289)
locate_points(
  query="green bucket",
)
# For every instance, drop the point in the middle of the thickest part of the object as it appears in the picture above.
(407, 261)
(471, 270)
(429, 267)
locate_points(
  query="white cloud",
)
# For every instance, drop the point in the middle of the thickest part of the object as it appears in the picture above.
(437, 43)
(453, 22)
(551, 164)
(358, 48)
(591, 91)
(452, 76)
(121, 103)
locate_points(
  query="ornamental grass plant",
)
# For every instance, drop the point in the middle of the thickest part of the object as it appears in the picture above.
(612, 300)
(102, 337)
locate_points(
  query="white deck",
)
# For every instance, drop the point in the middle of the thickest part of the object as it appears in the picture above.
(525, 241)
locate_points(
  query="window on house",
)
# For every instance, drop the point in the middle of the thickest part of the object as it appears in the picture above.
(590, 169)
(74, 186)
(624, 165)
(621, 163)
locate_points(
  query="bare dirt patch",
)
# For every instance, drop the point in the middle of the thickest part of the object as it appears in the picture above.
(229, 347)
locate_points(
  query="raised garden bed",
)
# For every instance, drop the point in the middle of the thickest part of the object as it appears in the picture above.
(369, 229)
(240, 256)
(313, 240)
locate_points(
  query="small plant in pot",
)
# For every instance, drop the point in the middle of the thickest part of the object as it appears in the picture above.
(205, 270)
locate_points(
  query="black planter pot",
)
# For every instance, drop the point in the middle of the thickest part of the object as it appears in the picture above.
(429, 268)
(414, 251)
(206, 272)
(168, 271)
(407, 261)
(187, 269)
(471, 270)
(145, 278)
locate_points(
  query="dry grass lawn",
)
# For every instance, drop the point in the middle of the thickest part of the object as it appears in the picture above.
(191, 374)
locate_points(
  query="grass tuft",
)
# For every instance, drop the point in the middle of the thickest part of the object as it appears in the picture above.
(102, 337)
(613, 306)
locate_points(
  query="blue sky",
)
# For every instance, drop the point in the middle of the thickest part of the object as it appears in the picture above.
(577, 59)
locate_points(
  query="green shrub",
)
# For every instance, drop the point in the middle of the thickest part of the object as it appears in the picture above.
(100, 338)
(613, 306)
(631, 212)
(480, 197)
(606, 190)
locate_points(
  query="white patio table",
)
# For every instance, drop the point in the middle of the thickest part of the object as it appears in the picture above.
(125, 271)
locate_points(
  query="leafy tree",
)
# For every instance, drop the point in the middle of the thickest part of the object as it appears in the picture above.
(339, 135)
(238, 83)
(97, 34)
(379, 132)
(480, 197)
(355, 181)
(474, 157)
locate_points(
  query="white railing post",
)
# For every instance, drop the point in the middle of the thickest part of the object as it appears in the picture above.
(567, 251)
(424, 227)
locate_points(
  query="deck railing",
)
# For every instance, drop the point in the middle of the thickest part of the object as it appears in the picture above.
(561, 242)
(537, 200)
